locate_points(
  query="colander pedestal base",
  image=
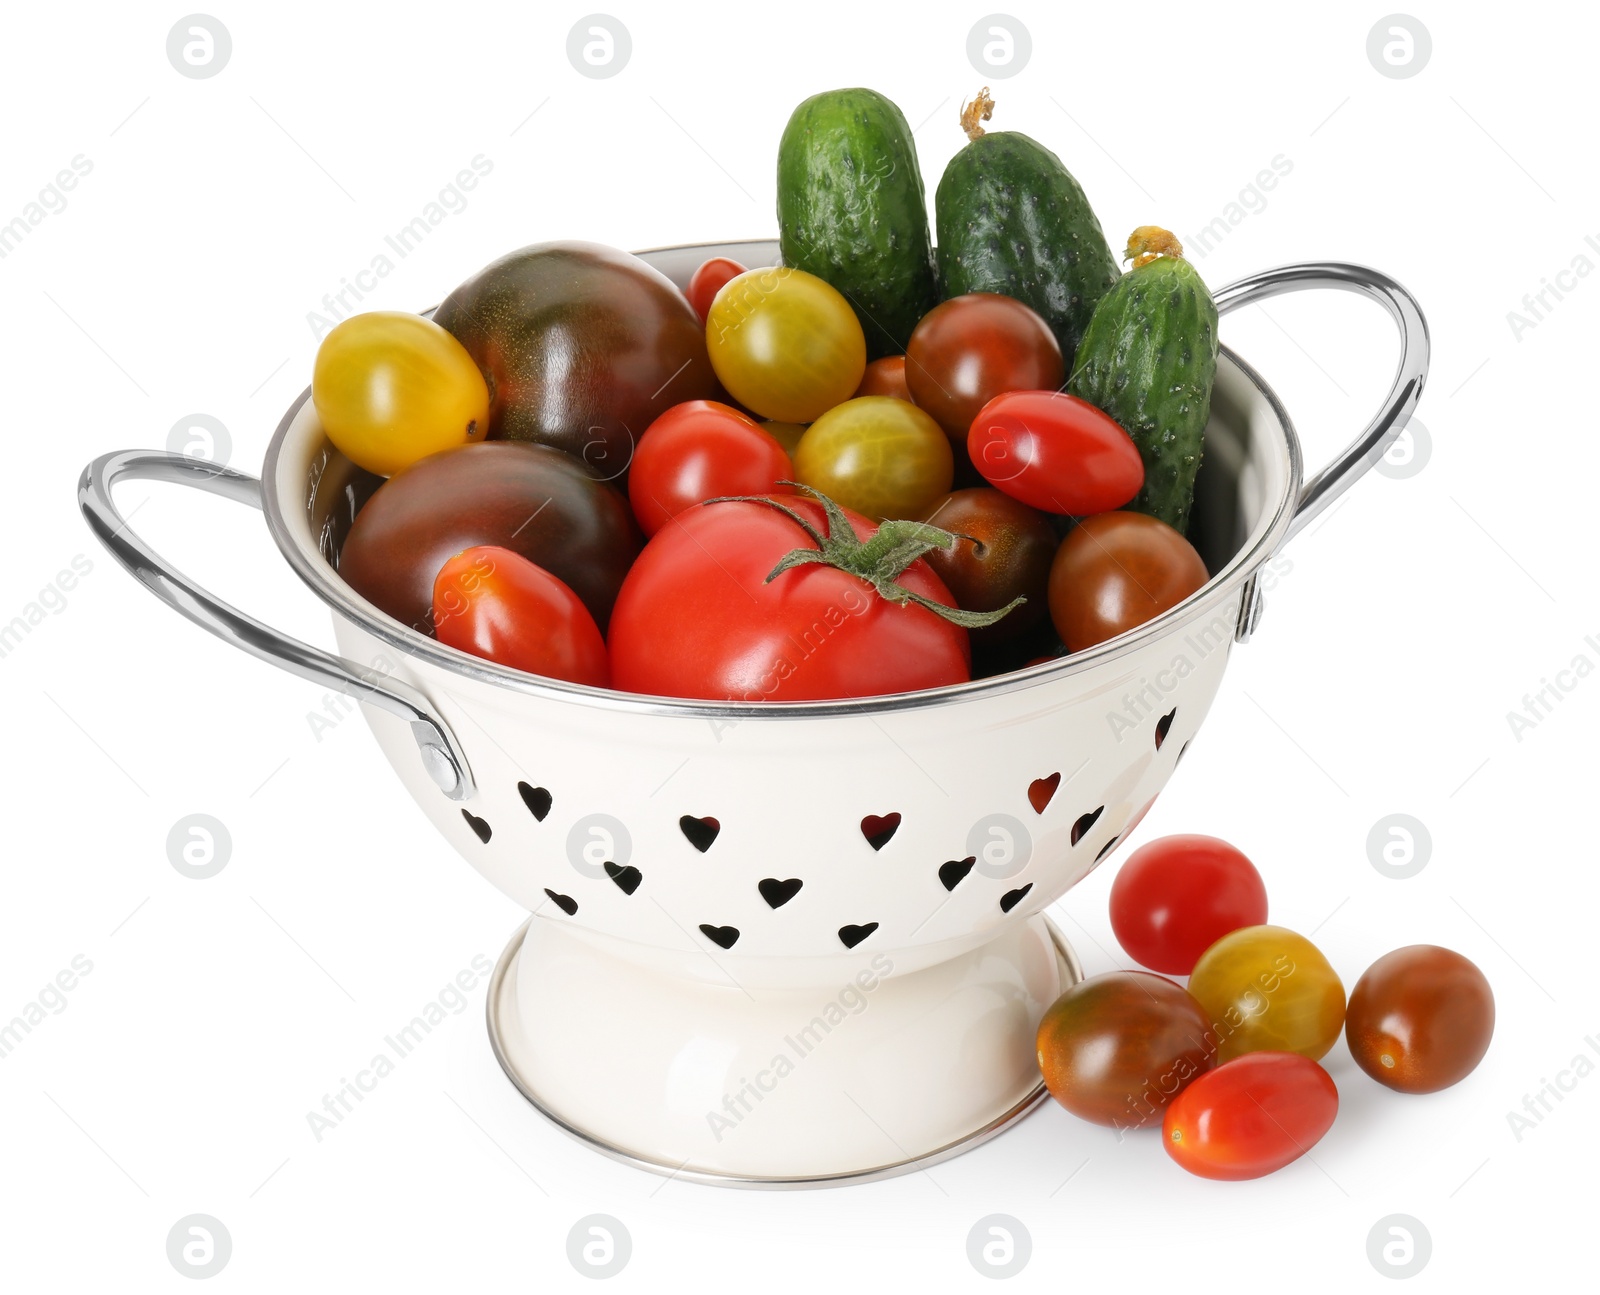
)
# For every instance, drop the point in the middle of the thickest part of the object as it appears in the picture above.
(866, 1074)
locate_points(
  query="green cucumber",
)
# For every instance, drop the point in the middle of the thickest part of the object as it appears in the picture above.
(1011, 219)
(1149, 359)
(851, 210)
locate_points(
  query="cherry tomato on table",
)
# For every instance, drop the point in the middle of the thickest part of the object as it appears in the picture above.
(392, 388)
(880, 456)
(785, 344)
(1056, 452)
(972, 348)
(1006, 554)
(1116, 571)
(1250, 1117)
(1420, 1019)
(708, 280)
(1116, 1048)
(885, 377)
(700, 450)
(496, 604)
(697, 616)
(1177, 896)
(1266, 988)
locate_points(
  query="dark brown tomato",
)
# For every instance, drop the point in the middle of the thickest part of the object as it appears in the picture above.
(1116, 1048)
(1114, 572)
(536, 501)
(582, 347)
(1420, 1019)
(1006, 556)
(972, 348)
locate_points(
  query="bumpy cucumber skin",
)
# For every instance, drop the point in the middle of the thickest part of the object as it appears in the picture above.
(1011, 219)
(1149, 359)
(852, 211)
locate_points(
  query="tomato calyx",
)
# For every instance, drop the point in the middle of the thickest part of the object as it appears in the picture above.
(880, 561)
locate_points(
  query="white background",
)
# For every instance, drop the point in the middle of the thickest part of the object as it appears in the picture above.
(178, 280)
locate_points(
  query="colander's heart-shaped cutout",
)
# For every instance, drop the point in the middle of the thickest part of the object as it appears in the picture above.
(778, 893)
(566, 903)
(701, 832)
(1040, 791)
(878, 829)
(1080, 829)
(478, 825)
(724, 937)
(1164, 726)
(850, 936)
(537, 799)
(1107, 848)
(952, 874)
(627, 878)
(1012, 898)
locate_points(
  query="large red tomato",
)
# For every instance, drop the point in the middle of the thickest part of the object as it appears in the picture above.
(697, 616)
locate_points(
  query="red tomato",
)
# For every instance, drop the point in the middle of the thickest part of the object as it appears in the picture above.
(494, 603)
(700, 450)
(697, 617)
(1116, 571)
(886, 377)
(1176, 897)
(1250, 1116)
(970, 349)
(1056, 452)
(707, 281)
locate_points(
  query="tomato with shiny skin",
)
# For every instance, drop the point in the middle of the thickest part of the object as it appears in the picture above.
(697, 616)
(785, 344)
(496, 604)
(886, 377)
(1420, 1019)
(1004, 553)
(1116, 1048)
(1177, 896)
(1116, 571)
(1251, 1116)
(708, 280)
(1269, 989)
(880, 456)
(391, 388)
(701, 450)
(533, 499)
(970, 349)
(1056, 452)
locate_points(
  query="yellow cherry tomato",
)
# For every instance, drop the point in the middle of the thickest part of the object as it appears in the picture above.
(880, 456)
(786, 434)
(392, 388)
(1268, 989)
(785, 344)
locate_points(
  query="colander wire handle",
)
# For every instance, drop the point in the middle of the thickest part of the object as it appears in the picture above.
(441, 753)
(1410, 372)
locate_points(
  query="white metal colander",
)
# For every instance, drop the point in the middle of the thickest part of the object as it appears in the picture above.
(794, 942)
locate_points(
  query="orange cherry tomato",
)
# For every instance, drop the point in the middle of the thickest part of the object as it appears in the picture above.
(886, 377)
(496, 604)
(1250, 1117)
